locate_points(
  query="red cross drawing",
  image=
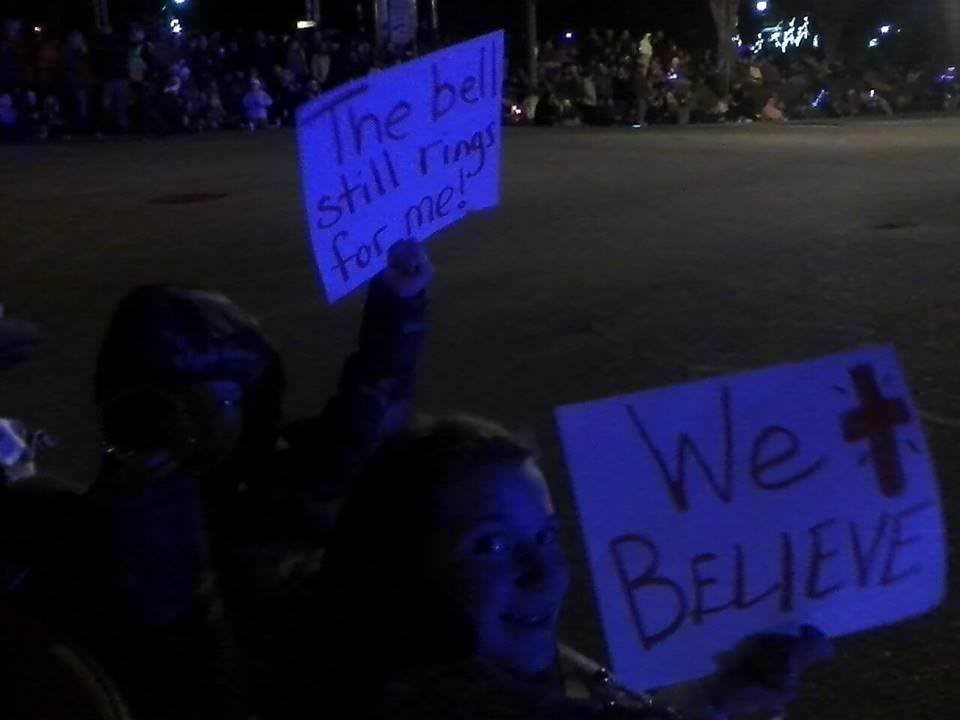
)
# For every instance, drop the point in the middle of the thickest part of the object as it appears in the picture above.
(876, 421)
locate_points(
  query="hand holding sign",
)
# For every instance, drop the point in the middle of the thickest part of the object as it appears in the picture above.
(763, 672)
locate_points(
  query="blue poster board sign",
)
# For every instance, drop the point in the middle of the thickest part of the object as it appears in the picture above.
(402, 153)
(803, 494)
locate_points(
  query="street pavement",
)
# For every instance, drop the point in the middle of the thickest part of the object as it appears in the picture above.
(620, 260)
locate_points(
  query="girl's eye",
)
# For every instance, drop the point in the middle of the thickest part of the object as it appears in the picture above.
(547, 536)
(491, 545)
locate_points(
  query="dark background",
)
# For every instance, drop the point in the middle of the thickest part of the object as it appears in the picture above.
(688, 22)
(682, 18)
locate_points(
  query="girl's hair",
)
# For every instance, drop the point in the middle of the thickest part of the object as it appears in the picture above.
(163, 339)
(381, 600)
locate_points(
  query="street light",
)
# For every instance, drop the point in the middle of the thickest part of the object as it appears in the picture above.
(885, 29)
(762, 6)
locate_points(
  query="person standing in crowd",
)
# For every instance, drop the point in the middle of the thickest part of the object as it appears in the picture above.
(604, 84)
(138, 69)
(296, 61)
(646, 51)
(641, 92)
(256, 104)
(203, 61)
(320, 60)
(77, 77)
(47, 64)
(113, 67)
(261, 56)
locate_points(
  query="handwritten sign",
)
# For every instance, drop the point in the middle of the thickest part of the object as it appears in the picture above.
(712, 511)
(400, 154)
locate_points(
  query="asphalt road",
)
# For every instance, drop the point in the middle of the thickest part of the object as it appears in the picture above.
(620, 260)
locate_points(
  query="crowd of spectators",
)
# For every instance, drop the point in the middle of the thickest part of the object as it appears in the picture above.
(612, 77)
(153, 81)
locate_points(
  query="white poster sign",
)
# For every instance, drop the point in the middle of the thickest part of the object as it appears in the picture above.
(803, 494)
(400, 154)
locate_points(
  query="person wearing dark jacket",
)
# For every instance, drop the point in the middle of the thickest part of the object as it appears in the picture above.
(207, 508)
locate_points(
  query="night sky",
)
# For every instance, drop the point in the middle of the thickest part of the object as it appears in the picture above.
(466, 16)
(688, 21)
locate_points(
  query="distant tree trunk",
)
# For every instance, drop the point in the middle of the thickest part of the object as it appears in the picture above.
(726, 17)
(533, 49)
(833, 23)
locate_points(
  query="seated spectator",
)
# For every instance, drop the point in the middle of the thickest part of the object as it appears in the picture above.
(311, 91)
(53, 119)
(170, 116)
(216, 116)
(30, 117)
(772, 111)
(873, 101)
(549, 109)
(257, 103)
(472, 538)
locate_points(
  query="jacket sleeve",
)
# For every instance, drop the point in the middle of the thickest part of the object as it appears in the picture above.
(374, 396)
(156, 616)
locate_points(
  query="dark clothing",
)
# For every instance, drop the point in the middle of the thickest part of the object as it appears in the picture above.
(168, 115)
(41, 677)
(167, 583)
(112, 58)
(13, 66)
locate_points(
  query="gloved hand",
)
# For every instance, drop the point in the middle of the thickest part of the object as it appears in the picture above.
(763, 672)
(409, 271)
